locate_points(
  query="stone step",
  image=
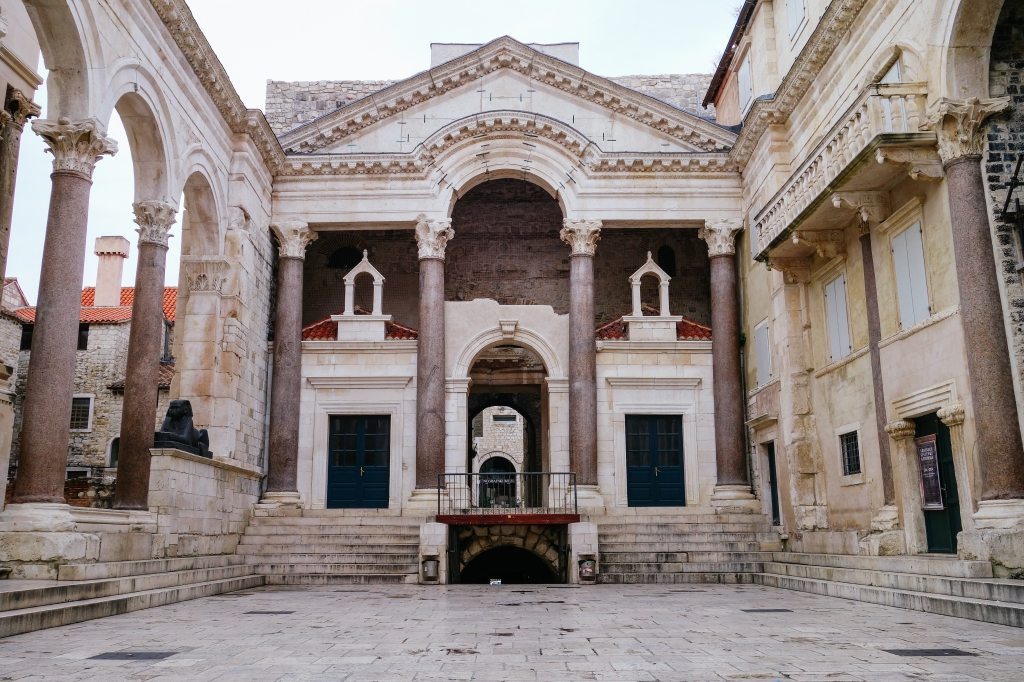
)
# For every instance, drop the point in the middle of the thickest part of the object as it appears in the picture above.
(122, 569)
(644, 536)
(992, 589)
(681, 547)
(318, 538)
(339, 579)
(949, 566)
(353, 517)
(328, 558)
(38, 617)
(652, 557)
(623, 528)
(675, 578)
(682, 516)
(409, 568)
(334, 529)
(682, 567)
(327, 548)
(1002, 613)
(58, 592)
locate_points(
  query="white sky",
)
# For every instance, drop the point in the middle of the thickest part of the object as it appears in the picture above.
(383, 39)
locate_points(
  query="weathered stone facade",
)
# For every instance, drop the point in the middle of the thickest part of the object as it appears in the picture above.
(681, 90)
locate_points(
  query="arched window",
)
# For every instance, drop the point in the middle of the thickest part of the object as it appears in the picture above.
(667, 260)
(115, 447)
(345, 258)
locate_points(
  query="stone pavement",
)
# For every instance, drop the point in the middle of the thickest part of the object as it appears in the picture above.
(528, 632)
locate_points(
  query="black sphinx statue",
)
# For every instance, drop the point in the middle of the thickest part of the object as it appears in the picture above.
(178, 432)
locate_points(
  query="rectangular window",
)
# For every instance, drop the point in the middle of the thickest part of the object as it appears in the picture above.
(763, 353)
(504, 418)
(911, 283)
(26, 336)
(837, 319)
(81, 413)
(83, 337)
(746, 87)
(849, 448)
(796, 10)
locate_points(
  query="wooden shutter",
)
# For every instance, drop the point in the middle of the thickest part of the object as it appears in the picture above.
(762, 349)
(837, 319)
(911, 281)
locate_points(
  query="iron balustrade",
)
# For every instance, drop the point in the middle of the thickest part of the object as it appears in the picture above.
(507, 493)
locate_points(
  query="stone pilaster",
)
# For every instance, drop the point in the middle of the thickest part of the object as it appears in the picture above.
(732, 489)
(582, 237)
(17, 110)
(432, 237)
(293, 237)
(960, 128)
(145, 348)
(76, 147)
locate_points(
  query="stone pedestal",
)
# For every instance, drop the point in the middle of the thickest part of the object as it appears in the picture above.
(434, 547)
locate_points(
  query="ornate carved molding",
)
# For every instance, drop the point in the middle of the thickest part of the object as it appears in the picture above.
(958, 124)
(20, 108)
(506, 53)
(76, 145)
(293, 236)
(720, 235)
(206, 274)
(826, 243)
(432, 236)
(581, 236)
(923, 163)
(794, 270)
(953, 415)
(900, 429)
(155, 219)
(871, 207)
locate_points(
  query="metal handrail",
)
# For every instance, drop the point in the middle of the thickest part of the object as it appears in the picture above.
(507, 493)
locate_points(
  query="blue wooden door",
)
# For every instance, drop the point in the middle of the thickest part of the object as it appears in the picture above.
(358, 461)
(654, 461)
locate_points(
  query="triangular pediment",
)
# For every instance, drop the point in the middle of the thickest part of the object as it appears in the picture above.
(510, 77)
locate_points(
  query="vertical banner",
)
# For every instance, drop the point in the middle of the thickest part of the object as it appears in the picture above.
(931, 481)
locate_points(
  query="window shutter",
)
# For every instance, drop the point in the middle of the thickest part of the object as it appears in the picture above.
(904, 289)
(797, 9)
(842, 317)
(744, 83)
(836, 319)
(762, 349)
(911, 281)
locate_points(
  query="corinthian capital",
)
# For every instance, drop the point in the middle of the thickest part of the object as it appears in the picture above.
(720, 234)
(154, 219)
(900, 429)
(76, 145)
(20, 108)
(581, 236)
(432, 236)
(293, 236)
(957, 124)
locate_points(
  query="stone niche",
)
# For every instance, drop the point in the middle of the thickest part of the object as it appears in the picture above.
(372, 327)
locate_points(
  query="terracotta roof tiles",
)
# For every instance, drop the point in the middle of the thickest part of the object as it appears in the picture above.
(686, 330)
(327, 330)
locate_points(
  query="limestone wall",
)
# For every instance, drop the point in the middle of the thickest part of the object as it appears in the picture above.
(682, 90)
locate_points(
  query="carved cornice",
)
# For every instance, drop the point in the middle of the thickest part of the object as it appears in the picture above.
(155, 219)
(293, 236)
(76, 145)
(958, 124)
(900, 429)
(432, 236)
(506, 53)
(833, 25)
(923, 163)
(721, 235)
(20, 108)
(581, 236)
(178, 20)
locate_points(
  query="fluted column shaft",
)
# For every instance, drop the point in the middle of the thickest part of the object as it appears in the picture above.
(432, 237)
(76, 146)
(17, 110)
(283, 441)
(582, 236)
(145, 347)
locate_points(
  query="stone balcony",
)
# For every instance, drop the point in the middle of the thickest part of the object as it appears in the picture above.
(880, 138)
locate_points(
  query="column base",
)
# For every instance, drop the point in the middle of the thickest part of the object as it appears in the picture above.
(998, 537)
(999, 514)
(425, 501)
(36, 538)
(886, 537)
(735, 499)
(37, 516)
(589, 497)
(886, 518)
(286, 503)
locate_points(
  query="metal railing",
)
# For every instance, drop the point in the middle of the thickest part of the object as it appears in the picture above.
(500, 493)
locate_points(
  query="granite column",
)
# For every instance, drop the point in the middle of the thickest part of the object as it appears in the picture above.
(145, 348)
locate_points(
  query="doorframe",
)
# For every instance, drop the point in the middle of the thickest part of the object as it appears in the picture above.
(688, 413)
(321, 432)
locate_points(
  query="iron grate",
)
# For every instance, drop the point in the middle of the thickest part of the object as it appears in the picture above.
(929, 652)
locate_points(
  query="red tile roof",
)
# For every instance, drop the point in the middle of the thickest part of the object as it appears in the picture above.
(686, 330)
(92, 314)
(327, 330)
(128, 297)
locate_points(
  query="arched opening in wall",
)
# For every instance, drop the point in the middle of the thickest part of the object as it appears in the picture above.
(363, 298)
(511, 565)
(649, 294)
(1005, 158)
(667, 260)
(507, 235)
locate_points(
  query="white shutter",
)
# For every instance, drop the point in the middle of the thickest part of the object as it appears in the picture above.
(836, 319)
(744, 84)
(763, 352)
(911, 281)
(796, 9)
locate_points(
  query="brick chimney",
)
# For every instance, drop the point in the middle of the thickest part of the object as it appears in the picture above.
(112, 252)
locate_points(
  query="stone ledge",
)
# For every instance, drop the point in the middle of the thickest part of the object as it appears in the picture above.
(215, 463)
(655, 346)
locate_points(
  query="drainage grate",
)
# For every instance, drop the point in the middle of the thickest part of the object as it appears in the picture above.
(267, 613)
(132, 655)
(928, 652)
(767, 610)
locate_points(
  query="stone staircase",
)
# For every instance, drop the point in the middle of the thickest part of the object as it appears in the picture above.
(692, 547)
(86, 591)
(328, 547)
(935, 584)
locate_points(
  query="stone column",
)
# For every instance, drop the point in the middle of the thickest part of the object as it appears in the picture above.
(908, 485)
(432, 236)
(733, 485)
(76, 147)
(582, 236)
(145, 347)
(293, 237)
(17, 109)
(998, 446)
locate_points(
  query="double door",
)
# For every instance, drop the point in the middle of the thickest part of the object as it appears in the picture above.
(358, 461)
(654, 461)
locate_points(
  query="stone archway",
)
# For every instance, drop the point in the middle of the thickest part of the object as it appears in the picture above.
(544, 542)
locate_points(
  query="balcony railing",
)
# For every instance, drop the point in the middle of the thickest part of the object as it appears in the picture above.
(505, 495)
(884, 113)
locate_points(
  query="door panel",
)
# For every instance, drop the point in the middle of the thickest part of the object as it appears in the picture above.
(654, 461)
(358, 461)
(941, 525)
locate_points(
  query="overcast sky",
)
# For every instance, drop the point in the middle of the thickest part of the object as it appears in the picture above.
(383, 39)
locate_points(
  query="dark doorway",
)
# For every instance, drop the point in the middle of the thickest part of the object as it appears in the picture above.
(773, 483)
(358, 461)
(942, 515)
(654, 461)
(497, 483)
(511, 565)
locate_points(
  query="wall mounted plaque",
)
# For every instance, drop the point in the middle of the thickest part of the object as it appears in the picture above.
(931, 481)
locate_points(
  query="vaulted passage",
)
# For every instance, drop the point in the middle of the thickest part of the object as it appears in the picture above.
(511, 565)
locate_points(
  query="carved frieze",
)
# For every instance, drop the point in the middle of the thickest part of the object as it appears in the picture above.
(155, 219)
(206, 275)
(76, 145)
(581, 236)
(923, 163)
(720, 234)
(958, 124)
(293, 236)
(432, 236)
(871, 207)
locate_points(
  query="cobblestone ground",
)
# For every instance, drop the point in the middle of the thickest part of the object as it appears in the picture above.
(533, 632)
